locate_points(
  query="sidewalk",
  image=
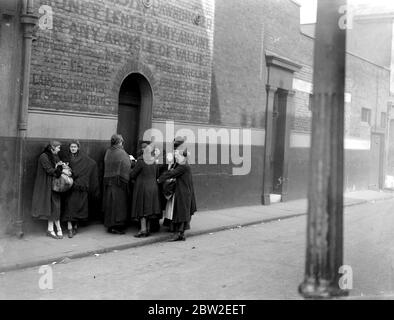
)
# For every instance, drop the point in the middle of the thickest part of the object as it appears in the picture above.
(37, 249)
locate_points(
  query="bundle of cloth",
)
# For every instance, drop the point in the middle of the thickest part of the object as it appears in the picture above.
(65, 181)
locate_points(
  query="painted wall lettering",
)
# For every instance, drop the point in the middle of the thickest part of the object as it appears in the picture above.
(75, 63)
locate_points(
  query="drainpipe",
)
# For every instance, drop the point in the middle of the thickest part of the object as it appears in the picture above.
(28, 21)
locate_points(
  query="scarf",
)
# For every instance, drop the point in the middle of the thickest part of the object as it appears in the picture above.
(82, 167)
(117, 163)
(53, 158)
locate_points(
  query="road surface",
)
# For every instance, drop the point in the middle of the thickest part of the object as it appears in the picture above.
(264, 261)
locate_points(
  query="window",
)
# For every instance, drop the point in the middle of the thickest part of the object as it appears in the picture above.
(383, 120)
(366, 115)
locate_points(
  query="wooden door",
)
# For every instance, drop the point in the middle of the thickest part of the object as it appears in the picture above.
(279, 133)
(128, 120)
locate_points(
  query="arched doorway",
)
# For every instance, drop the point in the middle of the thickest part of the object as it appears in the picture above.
(134, 110)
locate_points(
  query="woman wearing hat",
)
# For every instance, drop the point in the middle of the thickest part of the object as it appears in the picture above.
(184, 198)
(76, 204)
(117, 167)
(145, 200)
(46, 203)
(167, 187)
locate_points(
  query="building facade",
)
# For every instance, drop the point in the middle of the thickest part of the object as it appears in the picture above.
(234, 78)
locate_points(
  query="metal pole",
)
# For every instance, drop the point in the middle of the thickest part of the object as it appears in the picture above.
(28, 20)
(324, 252)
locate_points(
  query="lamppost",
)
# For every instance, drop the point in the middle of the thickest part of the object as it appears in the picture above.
(324, 252)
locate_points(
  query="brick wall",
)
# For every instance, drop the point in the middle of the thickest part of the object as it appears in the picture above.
(366, 31)
(76, 65)
(239, 72)
(10, 68)
(239, 67)
(368, 85)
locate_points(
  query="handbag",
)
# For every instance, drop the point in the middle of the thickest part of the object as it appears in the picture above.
(64, 182)
(169, 187)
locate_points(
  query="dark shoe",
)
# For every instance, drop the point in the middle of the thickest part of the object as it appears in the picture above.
(154, 230)
(70, 233)
(154, 226)
(115, 231)
(75, 230)
(142, 235)
(178, 237)
(52, 234)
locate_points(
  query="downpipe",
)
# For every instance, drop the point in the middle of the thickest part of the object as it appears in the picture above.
(28, 21)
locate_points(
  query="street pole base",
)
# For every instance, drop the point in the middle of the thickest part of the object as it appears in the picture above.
(265, 199)
(311, 289)
(18, 229)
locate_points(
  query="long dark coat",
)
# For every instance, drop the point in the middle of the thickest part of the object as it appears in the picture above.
(117, 167)
(185, 201)
(45, 202)
(145, 201)
(76, 202)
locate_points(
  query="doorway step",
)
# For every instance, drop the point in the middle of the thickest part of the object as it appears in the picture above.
(275, 198)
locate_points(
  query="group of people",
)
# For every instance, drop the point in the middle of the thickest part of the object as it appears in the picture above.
(72, 206)
(156, 189)
(137, 189)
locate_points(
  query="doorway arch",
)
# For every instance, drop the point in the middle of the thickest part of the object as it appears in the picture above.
(134, 110)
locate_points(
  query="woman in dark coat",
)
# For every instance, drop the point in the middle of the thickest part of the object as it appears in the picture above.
(184, 198)
(117, 166)
(166, 193)
(76, 204)
(45, 202)
(145, 202)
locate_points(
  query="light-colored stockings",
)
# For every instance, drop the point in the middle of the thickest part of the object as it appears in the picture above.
(58, 227)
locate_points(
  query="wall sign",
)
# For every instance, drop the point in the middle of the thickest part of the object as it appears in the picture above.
(82, 47)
